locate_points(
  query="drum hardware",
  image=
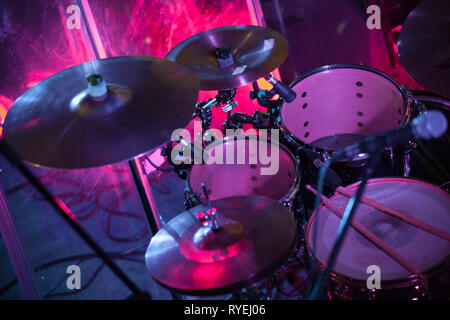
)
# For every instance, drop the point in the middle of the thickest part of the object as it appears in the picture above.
(183, 167)
(203, 109)
(259, 120)
(204, 112)
(210, 219)
(264, 100)
(332, 179)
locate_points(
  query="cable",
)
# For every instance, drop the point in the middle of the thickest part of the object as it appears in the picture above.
(157, 167)
(123, 255)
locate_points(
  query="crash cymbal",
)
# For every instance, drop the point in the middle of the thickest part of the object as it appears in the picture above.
(256, 235)
(424, 45)
(58, 124)
(255, 51)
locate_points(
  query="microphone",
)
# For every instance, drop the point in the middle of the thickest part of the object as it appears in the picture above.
(428, 125)
(282, 89)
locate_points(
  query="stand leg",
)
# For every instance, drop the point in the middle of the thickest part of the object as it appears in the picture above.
(143, 197)
(24, 272)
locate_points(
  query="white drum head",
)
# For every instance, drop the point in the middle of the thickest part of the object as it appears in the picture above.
(344, 101)
(230, 180)
(417, 199)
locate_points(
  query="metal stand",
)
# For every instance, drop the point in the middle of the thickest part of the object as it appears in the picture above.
(143, 197)
(24, 272)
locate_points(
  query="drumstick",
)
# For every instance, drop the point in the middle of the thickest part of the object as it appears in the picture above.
(368, 234)
(395, 213)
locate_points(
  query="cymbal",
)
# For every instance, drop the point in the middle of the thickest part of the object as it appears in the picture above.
(256, 51)
(58, 124)
(424, 45)
(257, 234)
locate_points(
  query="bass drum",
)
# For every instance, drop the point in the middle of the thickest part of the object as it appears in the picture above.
(430, 160)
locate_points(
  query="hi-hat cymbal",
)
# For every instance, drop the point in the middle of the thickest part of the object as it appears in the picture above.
(256, 51)
(424, 45)
(257, 234)
(58, 124)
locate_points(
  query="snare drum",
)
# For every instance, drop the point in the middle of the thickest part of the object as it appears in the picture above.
(427, 252)
(337, 105)
(234, 179)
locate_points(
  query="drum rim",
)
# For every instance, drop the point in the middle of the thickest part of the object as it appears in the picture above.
(406, 95)
(292, 192)
(431, 97)
(395, 283)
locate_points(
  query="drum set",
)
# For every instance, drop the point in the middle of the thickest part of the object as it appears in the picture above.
(240, 226)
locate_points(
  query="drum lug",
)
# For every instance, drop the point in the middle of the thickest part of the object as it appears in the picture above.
(390, 152)
(412, 104)
(190, 200)
(326, 156)
(338, 290)
(372, 294)
(412, 145)
(420, 288)
(406, 164)
(287, 202)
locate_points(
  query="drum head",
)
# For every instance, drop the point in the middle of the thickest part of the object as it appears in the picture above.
(417, 199)
(351, 101)
(233, 179)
